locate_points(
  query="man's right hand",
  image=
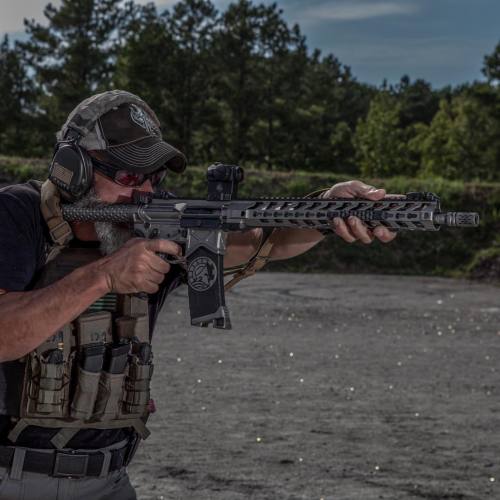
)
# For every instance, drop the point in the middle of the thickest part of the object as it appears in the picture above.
(136, 267)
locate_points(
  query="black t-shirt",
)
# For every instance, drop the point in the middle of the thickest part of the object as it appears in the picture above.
(24, 240)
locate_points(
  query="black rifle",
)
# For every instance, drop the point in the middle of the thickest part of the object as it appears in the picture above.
(200, 225)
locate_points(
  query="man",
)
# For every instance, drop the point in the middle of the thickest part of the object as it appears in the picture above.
(75, 353)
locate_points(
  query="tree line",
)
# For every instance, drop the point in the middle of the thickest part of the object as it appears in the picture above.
(242, 86)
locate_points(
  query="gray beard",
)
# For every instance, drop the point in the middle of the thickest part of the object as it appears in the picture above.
(111, 236)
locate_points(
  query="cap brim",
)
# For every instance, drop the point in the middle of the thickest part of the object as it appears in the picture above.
(145, 156)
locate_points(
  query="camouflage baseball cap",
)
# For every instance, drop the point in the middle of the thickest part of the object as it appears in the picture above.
(125, 131)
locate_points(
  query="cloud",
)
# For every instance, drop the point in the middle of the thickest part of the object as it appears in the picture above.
(354, 11)
(13, 13)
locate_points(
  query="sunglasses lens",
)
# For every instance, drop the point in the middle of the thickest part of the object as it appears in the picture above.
(130, 179)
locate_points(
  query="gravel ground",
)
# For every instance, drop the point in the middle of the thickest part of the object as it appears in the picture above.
(355, 387)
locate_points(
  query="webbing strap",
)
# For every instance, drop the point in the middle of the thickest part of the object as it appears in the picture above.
(257, 262)
(16, 469)
(137, 423)
(17, 429)
(63, 437)
(317, 194)
(59, 229)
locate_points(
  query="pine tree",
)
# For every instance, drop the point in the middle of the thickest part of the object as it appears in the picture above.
(18, 121)
(73, 56)
(491, 65)
(238, 77)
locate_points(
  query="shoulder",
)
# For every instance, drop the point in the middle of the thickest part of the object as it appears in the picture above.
(20, 208)
(24, 197)
(26, 191)
(23, 236)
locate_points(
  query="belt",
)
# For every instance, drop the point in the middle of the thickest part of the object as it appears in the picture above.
(69, 463)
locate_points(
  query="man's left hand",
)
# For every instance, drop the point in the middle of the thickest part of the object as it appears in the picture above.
(354, 229)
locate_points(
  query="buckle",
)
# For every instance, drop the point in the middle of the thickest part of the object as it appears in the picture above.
(70, 465)
(60, 233)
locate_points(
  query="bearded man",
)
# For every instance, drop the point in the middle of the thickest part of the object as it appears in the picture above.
(75, 349)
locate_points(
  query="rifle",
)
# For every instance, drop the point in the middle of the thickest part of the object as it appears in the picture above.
(200, 225)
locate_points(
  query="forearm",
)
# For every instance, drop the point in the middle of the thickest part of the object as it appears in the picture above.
(293, 242)
(28, 318)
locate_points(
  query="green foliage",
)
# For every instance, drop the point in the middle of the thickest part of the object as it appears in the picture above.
(462, 140)
(381, 142)
(242, 86)
(491, 66)
(72, 55)
(18, 95)
(15, 169)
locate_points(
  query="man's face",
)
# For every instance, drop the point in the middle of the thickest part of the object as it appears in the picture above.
(105, 191)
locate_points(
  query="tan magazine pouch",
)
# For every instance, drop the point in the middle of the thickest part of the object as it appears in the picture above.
(93, 331)
(46, 389)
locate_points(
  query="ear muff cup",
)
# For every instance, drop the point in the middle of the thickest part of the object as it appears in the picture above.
(71, 171)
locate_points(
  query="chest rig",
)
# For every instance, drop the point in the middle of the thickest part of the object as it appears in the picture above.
(95, 372)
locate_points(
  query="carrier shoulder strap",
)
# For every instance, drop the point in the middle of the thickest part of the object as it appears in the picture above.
(59, 229)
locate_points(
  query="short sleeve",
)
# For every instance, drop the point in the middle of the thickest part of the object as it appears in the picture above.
(21, 237)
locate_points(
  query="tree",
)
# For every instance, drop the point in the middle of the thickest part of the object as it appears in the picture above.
(419, 103)
(381, 142)
(166, 60)
(192, 24)
(238, 81)
(462, 140)
(279, 53)
(73, 56)
(491, 65)
(18, 125)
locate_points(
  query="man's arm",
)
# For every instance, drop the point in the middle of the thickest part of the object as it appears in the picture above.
(28, 318)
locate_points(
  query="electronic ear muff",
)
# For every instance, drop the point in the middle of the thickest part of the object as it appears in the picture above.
(71, 168)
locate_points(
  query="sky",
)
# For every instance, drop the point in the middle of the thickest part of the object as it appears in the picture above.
(442, 41)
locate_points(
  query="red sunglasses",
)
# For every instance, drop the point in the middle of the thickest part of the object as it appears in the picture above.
(127, 178)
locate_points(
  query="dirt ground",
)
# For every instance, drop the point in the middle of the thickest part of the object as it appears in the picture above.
(338, 387)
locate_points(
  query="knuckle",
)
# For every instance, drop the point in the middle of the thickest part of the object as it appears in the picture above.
(138, 268)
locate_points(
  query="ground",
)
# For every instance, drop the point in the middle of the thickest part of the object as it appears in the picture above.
(338, 387)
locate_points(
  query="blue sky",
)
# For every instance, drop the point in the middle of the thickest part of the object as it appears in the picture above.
(443, 41)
